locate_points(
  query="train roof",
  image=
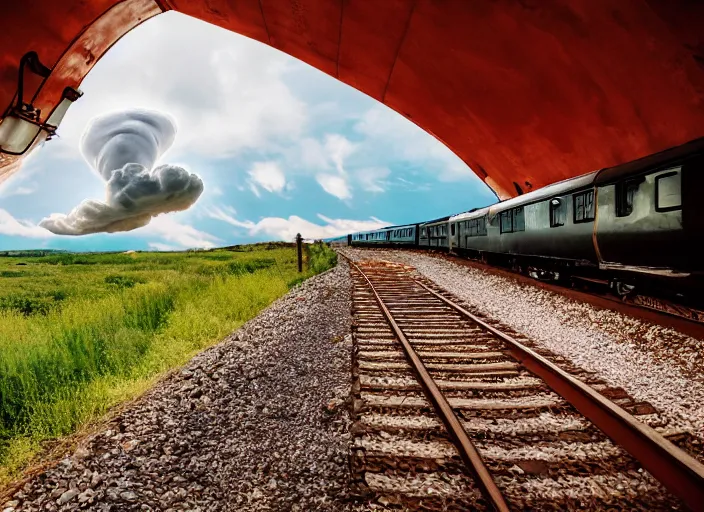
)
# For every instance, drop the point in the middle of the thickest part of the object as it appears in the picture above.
(541, 194)
(439, 219)
(386, 228)
(669, 157)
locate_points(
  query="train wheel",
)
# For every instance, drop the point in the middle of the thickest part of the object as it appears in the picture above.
(622, 289)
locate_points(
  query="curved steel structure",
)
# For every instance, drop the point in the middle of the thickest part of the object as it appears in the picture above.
(527, 93)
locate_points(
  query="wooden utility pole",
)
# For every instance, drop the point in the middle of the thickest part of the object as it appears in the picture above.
(299, 248)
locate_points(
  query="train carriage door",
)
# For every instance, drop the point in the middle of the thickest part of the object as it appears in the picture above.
(692, 181)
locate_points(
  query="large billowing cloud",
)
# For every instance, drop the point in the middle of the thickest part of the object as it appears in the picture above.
(123, 147)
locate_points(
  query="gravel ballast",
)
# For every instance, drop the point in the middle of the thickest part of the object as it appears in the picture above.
(651, 363)
(258, 422)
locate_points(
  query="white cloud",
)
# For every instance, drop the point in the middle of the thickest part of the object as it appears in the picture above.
(254, 189)
(220, 213)
(372, 178)
(122, 148)
(268, 175)
(313, 155)
(11, 226)
(334, 185)
(286, 228)
(225, 91)
(338, 149)
(182, 235)
(19, 191)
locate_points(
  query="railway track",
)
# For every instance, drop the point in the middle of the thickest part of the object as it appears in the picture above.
(451, 414)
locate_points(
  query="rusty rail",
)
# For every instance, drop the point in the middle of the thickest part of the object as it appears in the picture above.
(467, 450)
(682, 474)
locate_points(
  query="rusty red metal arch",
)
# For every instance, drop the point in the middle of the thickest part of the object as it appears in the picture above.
(526, 92)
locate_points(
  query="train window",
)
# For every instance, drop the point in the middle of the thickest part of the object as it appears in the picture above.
(625, 193)
(519, 220)
(507, 221)
(422, 232)
(668, 192)
(512, 220)
(452, 229)
(584, 206)
(558, 213)
(481, 226)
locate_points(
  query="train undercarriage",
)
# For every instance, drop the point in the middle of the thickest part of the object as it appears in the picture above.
(678, 294)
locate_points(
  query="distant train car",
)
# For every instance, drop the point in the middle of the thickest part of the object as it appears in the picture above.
(340, 241)
(406, 235)
(437, 234)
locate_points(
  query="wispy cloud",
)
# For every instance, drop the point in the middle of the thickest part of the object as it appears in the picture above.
(11, 226)
(220, 213)
(334, 185)
(174, 232)
(267, 175)
(18, 191)
(339, 148)
(286, 228)
(373, 179)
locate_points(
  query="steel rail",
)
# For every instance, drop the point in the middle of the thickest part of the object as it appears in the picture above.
(681, 473)
(467, 450)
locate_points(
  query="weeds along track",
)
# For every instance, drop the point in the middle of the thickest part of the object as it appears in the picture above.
(451, 414)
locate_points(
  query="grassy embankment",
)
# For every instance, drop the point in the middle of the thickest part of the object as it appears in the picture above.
(80, 333)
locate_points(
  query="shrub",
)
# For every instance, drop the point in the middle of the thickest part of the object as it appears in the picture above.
(11, 273)
(122, 281)
(321, 257)
(25, 305)
(238, 268)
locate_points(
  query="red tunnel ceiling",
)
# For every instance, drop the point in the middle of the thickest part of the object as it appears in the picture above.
(525, 92)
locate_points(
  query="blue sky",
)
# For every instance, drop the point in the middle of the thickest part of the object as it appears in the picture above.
(281, 148)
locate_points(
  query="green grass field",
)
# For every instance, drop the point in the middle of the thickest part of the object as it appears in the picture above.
(80, 333)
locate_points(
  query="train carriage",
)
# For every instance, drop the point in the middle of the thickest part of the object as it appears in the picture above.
(634, 224)
(546, 224)
(436, 234)
(406, 235)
